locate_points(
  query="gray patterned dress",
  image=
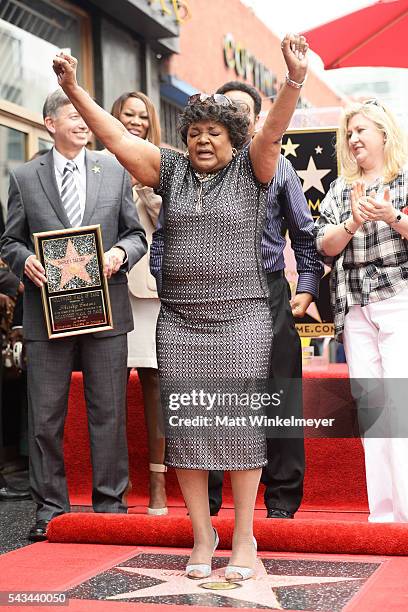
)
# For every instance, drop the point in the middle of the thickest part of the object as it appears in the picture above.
(214, 327)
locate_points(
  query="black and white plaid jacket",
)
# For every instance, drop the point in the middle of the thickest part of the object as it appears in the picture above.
(374, 264)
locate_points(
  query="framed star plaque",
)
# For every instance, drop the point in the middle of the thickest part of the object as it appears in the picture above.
(76, 296)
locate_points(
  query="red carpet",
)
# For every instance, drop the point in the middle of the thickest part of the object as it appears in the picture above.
(92, 557)
(335, 478)
(277, 535)
(333, 513)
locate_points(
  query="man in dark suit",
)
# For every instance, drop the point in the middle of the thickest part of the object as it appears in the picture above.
(71, 186)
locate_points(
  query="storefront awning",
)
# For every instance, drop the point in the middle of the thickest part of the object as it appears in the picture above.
(176, 91)
(141, 17)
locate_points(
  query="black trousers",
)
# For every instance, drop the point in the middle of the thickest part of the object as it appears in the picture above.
(284, 473)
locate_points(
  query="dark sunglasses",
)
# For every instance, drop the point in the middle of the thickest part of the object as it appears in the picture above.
(217, 98)
(373, 102)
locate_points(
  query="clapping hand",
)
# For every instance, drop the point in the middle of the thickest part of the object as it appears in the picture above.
(65, 67)
(356, 196)
(378, 210)
(294, 49)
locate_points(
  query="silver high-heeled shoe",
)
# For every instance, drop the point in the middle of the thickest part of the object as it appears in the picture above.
(244, 572)
(204, 568)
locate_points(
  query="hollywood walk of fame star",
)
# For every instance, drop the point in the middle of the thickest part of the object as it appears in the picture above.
(258, 590)
(312, 176)
(318, 149)
(73, 264)
(290, 148)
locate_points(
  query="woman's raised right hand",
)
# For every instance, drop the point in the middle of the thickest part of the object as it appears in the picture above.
(65, 67)
(294, 49)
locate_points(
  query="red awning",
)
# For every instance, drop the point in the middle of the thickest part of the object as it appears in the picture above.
(373, 36)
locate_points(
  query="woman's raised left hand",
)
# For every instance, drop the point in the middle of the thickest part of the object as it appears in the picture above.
(377, 210)
(294, 49)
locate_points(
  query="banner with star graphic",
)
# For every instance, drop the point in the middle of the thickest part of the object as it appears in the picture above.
(313, 155)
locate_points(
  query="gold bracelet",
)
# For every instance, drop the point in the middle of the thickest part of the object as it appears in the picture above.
(347, 229)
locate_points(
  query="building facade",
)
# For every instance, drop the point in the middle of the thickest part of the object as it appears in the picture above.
(120, 45)
(225, 41)
(167, 48)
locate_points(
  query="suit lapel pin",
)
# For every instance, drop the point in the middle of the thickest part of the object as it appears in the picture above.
(96, 169)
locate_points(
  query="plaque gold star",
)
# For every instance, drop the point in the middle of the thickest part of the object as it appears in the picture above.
(290, 148)
(73, 264)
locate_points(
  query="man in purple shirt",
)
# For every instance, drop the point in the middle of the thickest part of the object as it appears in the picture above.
(287, 210)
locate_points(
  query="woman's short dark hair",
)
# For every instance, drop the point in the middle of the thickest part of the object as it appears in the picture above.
(234, 119)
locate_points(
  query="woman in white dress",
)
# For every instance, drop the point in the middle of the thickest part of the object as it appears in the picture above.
(138, 114)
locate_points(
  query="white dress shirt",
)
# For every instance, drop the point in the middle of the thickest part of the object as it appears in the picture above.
(79, 174)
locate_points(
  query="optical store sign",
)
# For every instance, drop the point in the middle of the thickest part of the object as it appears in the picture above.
(237, 57)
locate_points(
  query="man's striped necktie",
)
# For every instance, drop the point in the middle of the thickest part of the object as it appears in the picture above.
(69, 195)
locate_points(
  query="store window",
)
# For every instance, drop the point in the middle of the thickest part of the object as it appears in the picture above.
(19, 141)
(44, 144)
(121, 63)
(169, 114)
(13, 147)
(31, 33)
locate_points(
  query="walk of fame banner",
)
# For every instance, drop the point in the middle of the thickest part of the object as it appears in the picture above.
(313, 155)
(76, 296)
